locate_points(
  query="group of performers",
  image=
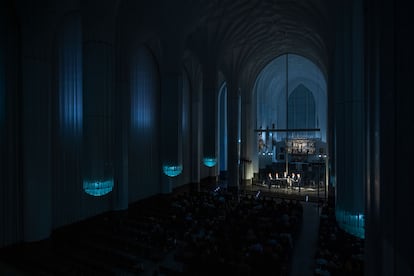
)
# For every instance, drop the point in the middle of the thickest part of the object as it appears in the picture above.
(287, 181)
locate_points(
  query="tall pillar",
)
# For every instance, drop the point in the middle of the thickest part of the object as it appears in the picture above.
(397, 205)
(210, 121)
(171, 128)
(98, 33)
(249, 144)
(234, 140)
(389, 239)
(349, 119)
(67, 127)
(98, 135)
(222, 126)
(254, 141)
(185, 177)
(36, 131)
(11, 186)
(143, 107)
(122, 137)
(374, 263)
(196, 118)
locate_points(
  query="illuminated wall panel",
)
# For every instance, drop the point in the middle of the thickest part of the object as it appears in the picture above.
(70, 99)
(70, 79)
(144, 84)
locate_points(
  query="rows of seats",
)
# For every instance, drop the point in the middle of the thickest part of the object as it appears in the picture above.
(181, 234)
(227, 233)
(338, 253)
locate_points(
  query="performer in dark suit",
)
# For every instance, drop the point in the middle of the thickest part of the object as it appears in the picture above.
(270, 180)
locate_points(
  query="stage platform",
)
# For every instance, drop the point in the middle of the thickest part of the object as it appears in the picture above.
(309, 194)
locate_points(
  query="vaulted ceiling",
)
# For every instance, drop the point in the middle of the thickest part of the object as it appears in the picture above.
(241, 36)
(254, 32)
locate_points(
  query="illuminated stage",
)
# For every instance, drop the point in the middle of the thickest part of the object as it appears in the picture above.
(303, 193)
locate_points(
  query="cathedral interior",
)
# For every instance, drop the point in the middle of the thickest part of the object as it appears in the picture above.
(195, 137)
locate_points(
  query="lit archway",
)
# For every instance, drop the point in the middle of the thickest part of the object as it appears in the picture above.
(291, 121)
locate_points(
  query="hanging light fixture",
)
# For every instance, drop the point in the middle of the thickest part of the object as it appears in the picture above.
(210, 161)
(172, 171)
(98, 188)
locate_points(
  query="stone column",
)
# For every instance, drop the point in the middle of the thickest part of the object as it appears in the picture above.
(98, 111)
(122, 136)
(249, 143)
(10, 177)
(349, 120)
(98, 32)
(36, 129)
(210, 121)
(171, 128)
(68, 125)
(234, 140)
(389, 61)
(196, 122)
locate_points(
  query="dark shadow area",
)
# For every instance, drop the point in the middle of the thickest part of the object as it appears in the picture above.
(206, 232)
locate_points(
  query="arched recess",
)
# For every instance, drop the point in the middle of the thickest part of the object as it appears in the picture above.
(301, 110)
(144, 88)
(281, 76)
(293, 78)
(222, 127)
